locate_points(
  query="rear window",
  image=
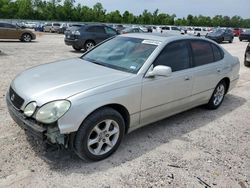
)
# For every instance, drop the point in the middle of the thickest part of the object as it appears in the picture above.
(202, 52)
(56, 24)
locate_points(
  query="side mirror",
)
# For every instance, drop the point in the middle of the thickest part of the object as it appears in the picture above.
(160, 70)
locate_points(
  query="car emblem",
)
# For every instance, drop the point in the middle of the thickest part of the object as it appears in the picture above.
(12, 97)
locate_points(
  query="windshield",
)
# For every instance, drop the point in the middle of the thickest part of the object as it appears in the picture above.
(122, 53)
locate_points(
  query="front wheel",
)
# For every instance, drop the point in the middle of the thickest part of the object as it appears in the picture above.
(76, 48)
(100, 135)
(26, 37)
(217, 96)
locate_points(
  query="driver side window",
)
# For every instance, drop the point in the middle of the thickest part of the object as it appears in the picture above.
(174, 55)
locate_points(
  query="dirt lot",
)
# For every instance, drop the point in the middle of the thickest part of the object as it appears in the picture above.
(192, 149)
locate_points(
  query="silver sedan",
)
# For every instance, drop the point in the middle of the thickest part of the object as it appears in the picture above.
(90, 103)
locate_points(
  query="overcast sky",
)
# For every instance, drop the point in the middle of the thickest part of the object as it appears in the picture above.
(179, 7)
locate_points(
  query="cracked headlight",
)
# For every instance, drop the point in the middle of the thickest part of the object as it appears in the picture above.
(52, 111)
(30, 109)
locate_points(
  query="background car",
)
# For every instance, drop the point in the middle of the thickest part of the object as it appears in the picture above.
(51, 27)
(87, 36)
(132, 30)
(30, 25)
(198, 31)
(237, 32)
(118, 27)
(220, 35)
(39, 27)
(10, 31)
(170, 30)
(247, 56)
(245, 35)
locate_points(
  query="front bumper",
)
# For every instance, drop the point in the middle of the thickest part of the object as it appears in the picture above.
(48, 133)
(27, 124)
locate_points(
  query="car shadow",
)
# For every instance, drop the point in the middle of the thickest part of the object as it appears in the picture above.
(17, 41)
(133, 145)
(78, 52)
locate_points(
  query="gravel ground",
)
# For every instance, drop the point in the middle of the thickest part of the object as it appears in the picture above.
(197, 148)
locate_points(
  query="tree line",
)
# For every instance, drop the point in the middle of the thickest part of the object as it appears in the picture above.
(67, 10)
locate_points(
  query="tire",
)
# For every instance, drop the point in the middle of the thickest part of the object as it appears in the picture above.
(217, 96)
(89, 44)
(26, 37)
(76, 48)
(94, 137)
(246, 63)
(231, 41)
(198, 35)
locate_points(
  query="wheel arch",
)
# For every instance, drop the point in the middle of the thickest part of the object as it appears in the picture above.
(119, 108)
(227, 81)
(90, 40)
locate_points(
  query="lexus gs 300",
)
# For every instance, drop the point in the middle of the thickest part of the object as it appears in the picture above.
(128, 81)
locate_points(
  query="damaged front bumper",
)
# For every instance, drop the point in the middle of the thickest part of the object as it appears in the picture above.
(48, 133)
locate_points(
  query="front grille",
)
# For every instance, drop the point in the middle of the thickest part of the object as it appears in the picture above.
(15, 99)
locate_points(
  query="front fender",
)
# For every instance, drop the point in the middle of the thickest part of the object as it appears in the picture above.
(81, 107)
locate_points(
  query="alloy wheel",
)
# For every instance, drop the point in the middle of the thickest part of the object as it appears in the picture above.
(219, 95)
(89, 45)
(26, 38)
(103, 137)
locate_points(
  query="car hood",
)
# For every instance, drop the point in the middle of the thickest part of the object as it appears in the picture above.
(63, 79)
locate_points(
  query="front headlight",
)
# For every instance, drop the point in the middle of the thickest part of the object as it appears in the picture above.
(52, 111)
(76, 32)
(30, 109)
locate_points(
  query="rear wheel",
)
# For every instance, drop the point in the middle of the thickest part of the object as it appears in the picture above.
(89, 44)
(26, 37)
(100, 135)
(246, 63)
(217, 96)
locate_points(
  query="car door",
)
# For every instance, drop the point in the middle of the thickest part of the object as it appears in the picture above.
(99, 34)
(12, 32)
(207, 69)
(2, 36)
(164, 96)
(228, 35)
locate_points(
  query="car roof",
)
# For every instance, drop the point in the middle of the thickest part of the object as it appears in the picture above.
(162, 37)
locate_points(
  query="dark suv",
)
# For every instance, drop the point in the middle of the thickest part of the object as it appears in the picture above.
(220, 35)
(87, 36)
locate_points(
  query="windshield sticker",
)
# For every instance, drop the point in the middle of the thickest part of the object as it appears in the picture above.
(153, 42)
(132, 67)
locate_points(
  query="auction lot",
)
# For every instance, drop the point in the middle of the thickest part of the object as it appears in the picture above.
(197, 148)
